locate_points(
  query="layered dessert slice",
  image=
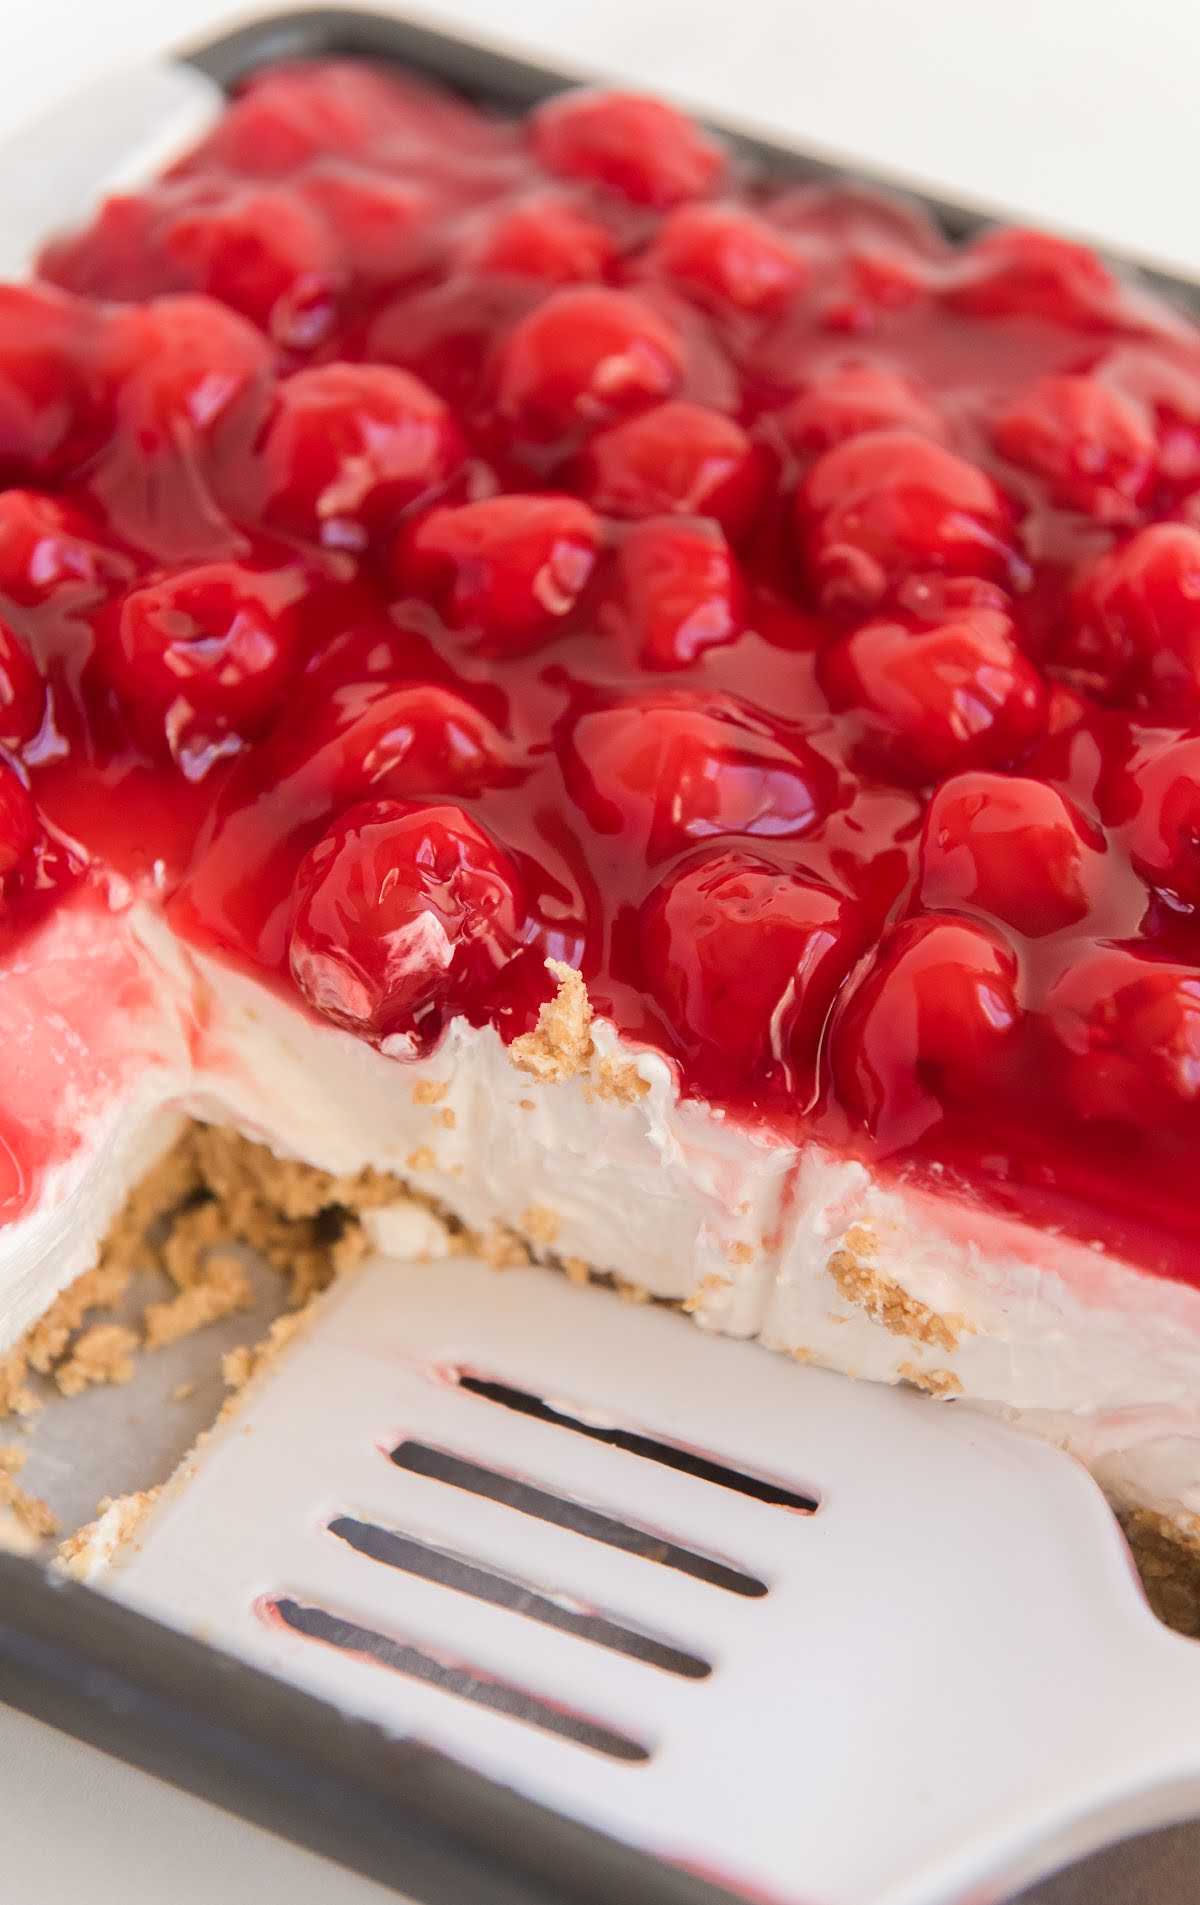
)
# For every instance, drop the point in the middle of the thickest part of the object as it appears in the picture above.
(652, 707)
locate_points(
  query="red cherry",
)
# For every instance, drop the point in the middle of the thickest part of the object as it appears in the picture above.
(1164, 832)
(511, 566)
(19, 826)
(680, 766)
(681, 591)
(263, 251)
(54, 403)
(940, 700)
(848, 399)
(1031, 274)
(546, 237)
(116, 256)
(414, 741)
(201, 653)
(350, 446)
(892, 504)
(929, 1022)
(1094, 448)
(1167, 385)
(1133, 628)
(378, 223)
(642, 148)
(290, 115)
(182, 366)
(728, 258)
(1017, 849)
(47, 545)
(22, 690)
(583, 357)
(400, 911)
(744, 959)
(1125, 1029)
(678, 457)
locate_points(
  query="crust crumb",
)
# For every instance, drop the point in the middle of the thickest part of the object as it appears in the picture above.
(801, 1355)
(709, 1286)
(103, 1354)
(15, 1537)
(935, 1382)
(33, 1517)
(16, 1397)
(239, 1365)
(222, 1289)
(98, 1289)
(118, 1519)
(448, 1117)
(630, 1292)
(500, 1248)
(560, 1045)
(540, 1223)
(619, 1081)
(422, 1159)
(576, 1270)
(860, 1241)
(429, 1091)
(1167, 1553)
(739, 1252)
(183, 1392)
(888, 1302)
(526, 1104)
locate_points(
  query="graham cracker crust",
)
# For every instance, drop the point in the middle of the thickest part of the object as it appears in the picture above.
(1167, 1554)
(215, 1189)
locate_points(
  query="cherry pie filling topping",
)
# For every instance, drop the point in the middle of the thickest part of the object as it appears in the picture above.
(433, 544)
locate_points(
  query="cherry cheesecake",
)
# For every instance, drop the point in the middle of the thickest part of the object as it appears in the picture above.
(656, 706)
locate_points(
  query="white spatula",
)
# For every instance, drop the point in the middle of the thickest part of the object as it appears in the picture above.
(827, 1641)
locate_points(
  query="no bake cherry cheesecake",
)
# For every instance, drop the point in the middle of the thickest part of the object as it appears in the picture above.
(657, 707)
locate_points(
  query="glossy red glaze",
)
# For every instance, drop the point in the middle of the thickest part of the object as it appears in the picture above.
(1017, 850)
(510, 567)
(582, 358)
(746, 959)
(679, 592)
(349, 446)
(1132, 633)
(930, 701)
(22, 691)
(677, 458)
(556, 542)
(890, 504)
(728, 257)
(18, 824)
(641, 148)
(399, 911)
(930, 1024)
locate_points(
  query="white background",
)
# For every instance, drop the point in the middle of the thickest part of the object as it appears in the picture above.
(1083, 111)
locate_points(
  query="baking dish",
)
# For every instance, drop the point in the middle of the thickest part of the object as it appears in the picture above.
(508, 84)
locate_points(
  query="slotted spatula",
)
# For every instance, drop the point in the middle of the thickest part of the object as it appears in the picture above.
(820, 1640)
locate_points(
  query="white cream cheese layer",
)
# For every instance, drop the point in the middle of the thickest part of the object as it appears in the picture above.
(117, 1033)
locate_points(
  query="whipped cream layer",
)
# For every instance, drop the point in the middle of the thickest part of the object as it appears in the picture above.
(117, 1032)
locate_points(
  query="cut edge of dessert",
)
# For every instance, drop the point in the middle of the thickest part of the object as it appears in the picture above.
(562, 689)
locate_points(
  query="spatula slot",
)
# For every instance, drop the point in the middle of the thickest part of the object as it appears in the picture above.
(452, 1676)
(686, 1461)
(428, 1562)
(439, 1465)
